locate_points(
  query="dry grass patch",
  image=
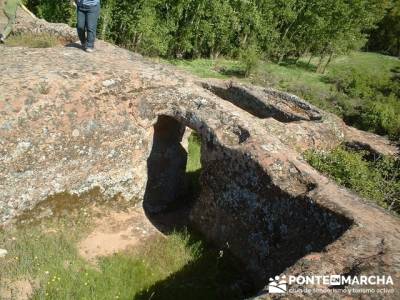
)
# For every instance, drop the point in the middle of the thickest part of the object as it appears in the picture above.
(31, 40)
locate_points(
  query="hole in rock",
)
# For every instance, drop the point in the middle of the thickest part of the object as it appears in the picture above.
(235, 206)
(174, 168)
(171, 177)
(266, 104)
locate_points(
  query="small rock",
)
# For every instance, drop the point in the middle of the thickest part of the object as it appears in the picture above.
(75, 133)
(3, 253)
(108, 83)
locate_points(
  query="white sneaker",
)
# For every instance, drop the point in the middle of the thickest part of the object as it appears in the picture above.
(2, 39)
(89, 50)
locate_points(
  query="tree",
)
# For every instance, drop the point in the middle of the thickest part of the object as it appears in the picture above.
(386, 37)
(279, 29)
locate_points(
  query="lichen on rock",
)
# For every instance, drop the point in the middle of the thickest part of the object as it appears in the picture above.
(113, 119)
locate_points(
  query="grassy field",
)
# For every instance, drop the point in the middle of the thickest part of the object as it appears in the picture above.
(286, 75)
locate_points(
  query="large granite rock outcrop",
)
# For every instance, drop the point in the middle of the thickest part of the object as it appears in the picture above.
(112, 120)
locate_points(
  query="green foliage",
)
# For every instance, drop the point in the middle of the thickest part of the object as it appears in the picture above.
(193, 167)
(378, 180)
(386, 37)
(280, 29)
(60, 11)
(379, 99)
(52, 259)
(194, 153)
(44, 251)
(249, 57)
(135, 25)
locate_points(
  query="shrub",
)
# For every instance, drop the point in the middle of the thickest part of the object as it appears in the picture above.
(249, 58)
(382, 116)
(353, 83)
(377, 180)
(375, 97)
(60, 11)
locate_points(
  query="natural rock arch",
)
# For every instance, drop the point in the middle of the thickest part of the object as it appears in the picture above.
(166, 166)
(239, 204)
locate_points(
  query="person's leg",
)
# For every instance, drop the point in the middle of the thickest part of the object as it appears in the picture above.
(91, 25)
(10, 10)
(81, 25)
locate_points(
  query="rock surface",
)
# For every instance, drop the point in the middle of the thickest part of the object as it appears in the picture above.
(3, 253)
(72, 121)
(295, 122)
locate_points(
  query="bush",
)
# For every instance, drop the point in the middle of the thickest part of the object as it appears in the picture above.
(60, 11)
(377, 180)
(382, 116)
(376, 98)
(250, 58)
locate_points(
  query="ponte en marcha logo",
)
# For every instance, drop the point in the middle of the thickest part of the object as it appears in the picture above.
(282, 284)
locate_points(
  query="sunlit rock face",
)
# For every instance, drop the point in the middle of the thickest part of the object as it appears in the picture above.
(113, 121)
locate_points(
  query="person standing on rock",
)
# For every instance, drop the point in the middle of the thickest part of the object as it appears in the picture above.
(10, 9)
(88, 12)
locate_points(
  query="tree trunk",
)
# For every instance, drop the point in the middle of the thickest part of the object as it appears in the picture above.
(244, 40)
(320, 63)
(321, 59)
(281, 58)
(288, 29)
(328, 62)
(309, 61)
(297, 57)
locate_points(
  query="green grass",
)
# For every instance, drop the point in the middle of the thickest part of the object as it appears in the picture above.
(178, 266)
(377, 180)
(44, 252)
(292, 78)
(204, 68)
(286, 75)
(193, 167)
(32, 40)
(194, 153)
(52, 260)
(367, 62)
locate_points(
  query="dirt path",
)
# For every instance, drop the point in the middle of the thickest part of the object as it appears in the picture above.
(17, 290)
(116, 231)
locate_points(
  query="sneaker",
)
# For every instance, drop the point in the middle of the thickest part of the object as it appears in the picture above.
(2, 39)
(89, 50)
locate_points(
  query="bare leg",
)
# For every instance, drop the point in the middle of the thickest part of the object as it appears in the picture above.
(10, 10)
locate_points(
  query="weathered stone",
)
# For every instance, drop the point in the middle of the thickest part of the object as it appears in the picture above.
(3, 253)
(27, 23)
(295, 122)
(113, 119)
